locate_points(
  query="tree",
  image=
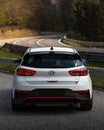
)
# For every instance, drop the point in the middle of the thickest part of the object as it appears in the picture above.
(66, 14)
(17, 13)
(89, 18)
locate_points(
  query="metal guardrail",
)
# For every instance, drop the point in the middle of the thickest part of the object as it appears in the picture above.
(92, 56)
(8, 61)
(96, 72)
(15, 48)
(89, 56)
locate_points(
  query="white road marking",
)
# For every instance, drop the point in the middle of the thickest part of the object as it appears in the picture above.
(59, 41)
(21, 39)
(15, 42)
(38, 43)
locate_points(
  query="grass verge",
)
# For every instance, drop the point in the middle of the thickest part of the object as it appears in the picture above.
(98, 82)
(8, 68)
(9, 55)
(68, 42)
(6, 54)
(95, 64)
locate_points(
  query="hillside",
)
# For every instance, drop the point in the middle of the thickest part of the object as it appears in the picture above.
(6, 32)
(83, 17)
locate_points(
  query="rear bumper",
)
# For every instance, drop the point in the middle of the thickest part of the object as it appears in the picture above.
(50, 96)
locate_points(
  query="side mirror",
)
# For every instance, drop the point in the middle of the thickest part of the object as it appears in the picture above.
(18, 61)
(84, 61)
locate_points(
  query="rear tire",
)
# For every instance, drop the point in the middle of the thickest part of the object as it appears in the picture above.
(16, 107)
(86, 106)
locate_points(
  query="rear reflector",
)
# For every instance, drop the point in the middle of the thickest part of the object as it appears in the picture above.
(25, 72)
(79, 72)
(82, 91)
(22, 91)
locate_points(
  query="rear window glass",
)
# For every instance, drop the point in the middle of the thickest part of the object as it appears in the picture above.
(52, 60)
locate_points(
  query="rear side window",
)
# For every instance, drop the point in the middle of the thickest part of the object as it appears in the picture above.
(52, 60)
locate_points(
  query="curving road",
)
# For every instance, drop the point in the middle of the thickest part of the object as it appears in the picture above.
(46, 40)
(48, 118)
(41, 41)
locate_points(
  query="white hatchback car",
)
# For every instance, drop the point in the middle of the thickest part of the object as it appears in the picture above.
(51, 75)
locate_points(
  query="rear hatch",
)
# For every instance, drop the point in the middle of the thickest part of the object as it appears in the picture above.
(52, 77)
(52, 68)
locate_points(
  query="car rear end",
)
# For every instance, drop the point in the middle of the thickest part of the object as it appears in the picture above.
(52, 76)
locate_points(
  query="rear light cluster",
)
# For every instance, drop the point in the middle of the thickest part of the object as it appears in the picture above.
(25, 72)
(79, 72)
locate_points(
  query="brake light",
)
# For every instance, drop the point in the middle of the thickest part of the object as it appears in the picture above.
(79, 72)
(52, 53)
(25, 72)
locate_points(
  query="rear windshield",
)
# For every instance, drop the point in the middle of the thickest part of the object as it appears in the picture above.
(52, 60)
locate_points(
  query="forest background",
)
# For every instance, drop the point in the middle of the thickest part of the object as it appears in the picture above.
(82, 19)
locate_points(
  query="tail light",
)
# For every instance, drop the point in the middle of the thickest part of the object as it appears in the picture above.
(79, 72)
(25, 72)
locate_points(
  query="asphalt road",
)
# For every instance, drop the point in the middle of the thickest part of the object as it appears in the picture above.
(48, 118)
